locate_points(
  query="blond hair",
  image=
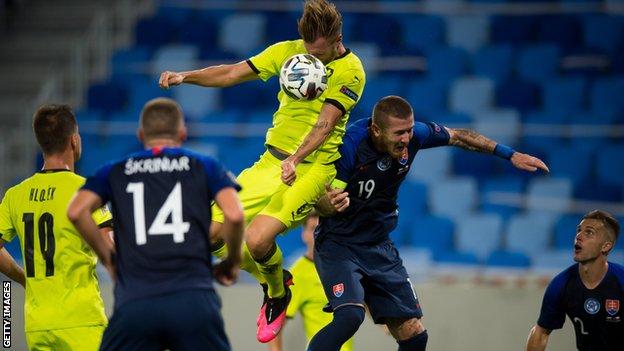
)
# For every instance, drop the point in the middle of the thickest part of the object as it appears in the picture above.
(320, 19)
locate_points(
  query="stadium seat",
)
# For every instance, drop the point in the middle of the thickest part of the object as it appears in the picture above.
(494, 62)
(502, 125)
(474, 164)
(256, 95)
(287, 30)
(200, 33)
(603, 32)
(445, 64)
(432, 232)
(383, 31)
(562, 30)
(513, 29)
(431, 165)
(528, 234)
(467, 32)
(565, 231)
(456, 258)
(566, 94)
(549, 196)
(471, 95)
(177, 15)
(501, 195)
(106, 97)
(479, 234)
(174, 57)
(197, 101)
(574, 163)
(518, 94)
(422, 32)
(592, 190)
(553, 261)
(242, 34)
(368, 53)
(538, 63)
(131, 61)
(426, 96)
(376, 88)
(454, 198)
(153, 32)
(142, 89)
(605, 95)
(611, 164)
(507, 259)
(412, 198)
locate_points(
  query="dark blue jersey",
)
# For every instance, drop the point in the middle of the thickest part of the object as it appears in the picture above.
(595, 313)
(373, 179)
(160, 200)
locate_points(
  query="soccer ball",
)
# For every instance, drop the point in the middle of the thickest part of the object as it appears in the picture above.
(303, 77)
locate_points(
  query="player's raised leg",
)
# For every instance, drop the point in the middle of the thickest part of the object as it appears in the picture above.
(409, 333)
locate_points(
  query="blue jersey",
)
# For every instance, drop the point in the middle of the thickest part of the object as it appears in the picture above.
(595, 313)
(373, 179)
(160, 200)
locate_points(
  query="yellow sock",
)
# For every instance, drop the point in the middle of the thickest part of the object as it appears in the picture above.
(271, 269)
(247, 262)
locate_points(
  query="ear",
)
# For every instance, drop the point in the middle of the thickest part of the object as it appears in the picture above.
(140, 135)
(606, 247)
(375, 129)
(182, 133)
(73, 141)
(339, 39)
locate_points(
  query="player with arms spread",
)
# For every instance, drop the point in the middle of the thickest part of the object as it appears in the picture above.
(63, 308)
(161, 262)
(281, 188)
(355, 258)
(589, 292)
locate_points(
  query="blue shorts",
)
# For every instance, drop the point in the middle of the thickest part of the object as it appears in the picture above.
(361, 274)
(186, 320)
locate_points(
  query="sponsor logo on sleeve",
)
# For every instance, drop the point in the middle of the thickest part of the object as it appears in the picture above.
(350, 93)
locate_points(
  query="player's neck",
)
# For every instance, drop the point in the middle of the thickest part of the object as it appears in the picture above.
(341, 50)
(161, 143)
(310, 253)
(59, 161)
(593, 272)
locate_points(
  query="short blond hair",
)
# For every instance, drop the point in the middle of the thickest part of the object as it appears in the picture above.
(320, 19)
(161, 118)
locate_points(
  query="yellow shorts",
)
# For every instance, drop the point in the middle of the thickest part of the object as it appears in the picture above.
(264, 193)
(69, 339)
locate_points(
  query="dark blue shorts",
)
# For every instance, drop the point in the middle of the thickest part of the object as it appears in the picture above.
(187, 320)
(372, 275)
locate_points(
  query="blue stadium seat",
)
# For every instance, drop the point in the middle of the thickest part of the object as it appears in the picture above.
(446, 64)
(479, 234)
(549, 196)
(432, 232)
(528, 234)
(200, 33)
(564, 31)
(383, 31)
(566, 94)
(255, 94)
(471, 95)
(142, 89)
(538, 63)
(502, 125)
(468, 32)
(513, 29)
(426, 96)
(197, 101)
(540, 134)
(131, 61)
(90, 116)
(592, 190)
(565, 231)
(259, 116)
(454, 198)
(508, 259)
(521, 95)
(368, 53)
(553, 261)
(242, 34)
(605, 95)
(494, 62)
(498, 195)
(474, 164)
(412, 198)
(611, 164)
(422, 32)
(287, 30)
(376, 88)
(106, 97)
(451, 119)
(153, 32)
(431, 165)
(456, 258)
(175, 57)
(177, 15)
(574, 163)
(603, 32)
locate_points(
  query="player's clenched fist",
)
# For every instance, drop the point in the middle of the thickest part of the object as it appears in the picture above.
(338, 198)
(169, 78)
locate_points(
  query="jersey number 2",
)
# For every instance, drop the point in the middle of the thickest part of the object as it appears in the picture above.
(46, 242)
(172, 207)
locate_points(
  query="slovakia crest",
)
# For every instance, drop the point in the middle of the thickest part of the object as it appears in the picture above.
(404, 157)
(592, 306)
(338, 289)
(385, 163)
(612, 306)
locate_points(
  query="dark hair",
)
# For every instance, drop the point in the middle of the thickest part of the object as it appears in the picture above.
(320, 19)
(391, 106)
(611, 224)
(161, 118)
(53, 126)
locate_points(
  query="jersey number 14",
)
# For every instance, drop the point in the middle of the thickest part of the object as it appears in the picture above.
(172, 207)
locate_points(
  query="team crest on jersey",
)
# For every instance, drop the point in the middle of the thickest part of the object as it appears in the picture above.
(385, 163)
(338, 289)
(612, 306)
(404, 157)
(592, 306)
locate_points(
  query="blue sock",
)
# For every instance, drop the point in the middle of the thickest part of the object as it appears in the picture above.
(415, 343)
(347, 320)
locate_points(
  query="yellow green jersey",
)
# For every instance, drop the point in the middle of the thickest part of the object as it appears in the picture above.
(308, 298)
(62, 289)
(294, 119)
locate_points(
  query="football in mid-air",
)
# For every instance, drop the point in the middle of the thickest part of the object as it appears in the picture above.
(303, 77)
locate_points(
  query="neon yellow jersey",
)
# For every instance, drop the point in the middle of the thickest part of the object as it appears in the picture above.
(308, 298)
(62, 289)
(295, 118)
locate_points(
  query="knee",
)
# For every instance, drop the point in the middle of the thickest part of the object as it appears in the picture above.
(403, 329)
(351, 315)
(257, 244)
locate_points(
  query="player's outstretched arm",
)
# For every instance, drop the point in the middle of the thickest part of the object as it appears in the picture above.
(334, 200)
(213, 76)
(226, 271)
(538, 339)
(327, 120)
(79, 213)
(9, 267)
(471, 140)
